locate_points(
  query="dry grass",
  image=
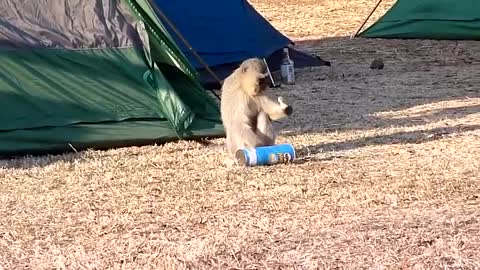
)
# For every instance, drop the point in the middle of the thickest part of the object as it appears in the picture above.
(308, 19)
(388, 175)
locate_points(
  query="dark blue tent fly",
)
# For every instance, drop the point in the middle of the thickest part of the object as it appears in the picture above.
(224, 33)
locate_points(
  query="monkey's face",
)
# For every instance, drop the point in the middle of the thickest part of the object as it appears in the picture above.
(262, 82)
(254, 76)
(254, 83)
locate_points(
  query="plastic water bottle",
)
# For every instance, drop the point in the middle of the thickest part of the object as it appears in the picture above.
(287, 68)
(266, 155)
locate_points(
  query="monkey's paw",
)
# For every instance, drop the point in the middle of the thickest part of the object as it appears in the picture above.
(286, 108)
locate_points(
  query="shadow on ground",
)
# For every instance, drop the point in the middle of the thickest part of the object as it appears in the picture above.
(412, 137)
(351, 96)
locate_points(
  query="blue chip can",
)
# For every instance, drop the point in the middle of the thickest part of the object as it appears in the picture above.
(266, 155)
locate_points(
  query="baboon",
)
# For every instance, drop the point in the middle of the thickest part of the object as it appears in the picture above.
(247, 113)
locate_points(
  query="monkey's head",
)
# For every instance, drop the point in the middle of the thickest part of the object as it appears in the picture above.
(253, 76)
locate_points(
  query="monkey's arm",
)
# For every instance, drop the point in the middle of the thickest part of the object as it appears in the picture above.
(274, 110)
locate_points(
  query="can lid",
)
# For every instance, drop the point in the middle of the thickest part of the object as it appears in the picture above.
(241, 158)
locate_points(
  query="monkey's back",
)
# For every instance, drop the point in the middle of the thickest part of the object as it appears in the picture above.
(236, 106)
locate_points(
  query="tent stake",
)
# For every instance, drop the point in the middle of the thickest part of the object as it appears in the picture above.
(366, 19)
(157, 9)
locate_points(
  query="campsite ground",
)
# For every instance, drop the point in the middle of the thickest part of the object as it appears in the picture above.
(387, 178)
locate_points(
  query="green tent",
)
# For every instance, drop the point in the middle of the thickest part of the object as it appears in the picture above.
(429, 19)
(79, 74)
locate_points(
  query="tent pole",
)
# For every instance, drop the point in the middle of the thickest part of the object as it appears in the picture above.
(270, 74)
(366, 19)
(157, 9)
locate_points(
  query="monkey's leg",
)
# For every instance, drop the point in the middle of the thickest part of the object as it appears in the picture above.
(265, 129)
(230, 143)
(243, 136)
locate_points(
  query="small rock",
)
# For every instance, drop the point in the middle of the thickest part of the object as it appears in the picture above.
(377, 64)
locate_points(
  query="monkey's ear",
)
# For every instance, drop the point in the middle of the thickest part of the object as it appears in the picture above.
(244, 68)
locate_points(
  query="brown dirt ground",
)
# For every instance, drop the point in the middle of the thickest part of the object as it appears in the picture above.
(387, 176)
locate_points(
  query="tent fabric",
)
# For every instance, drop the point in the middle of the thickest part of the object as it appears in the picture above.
(64, 87)
(429, 19)
(224, 33)
(102, 136)
(80, 73)
(66, 24)
(221, 31)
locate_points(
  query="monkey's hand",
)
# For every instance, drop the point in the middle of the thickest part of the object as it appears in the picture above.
(285, 107)
(275, 110)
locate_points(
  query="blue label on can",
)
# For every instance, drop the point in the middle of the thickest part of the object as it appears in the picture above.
(269, 155)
